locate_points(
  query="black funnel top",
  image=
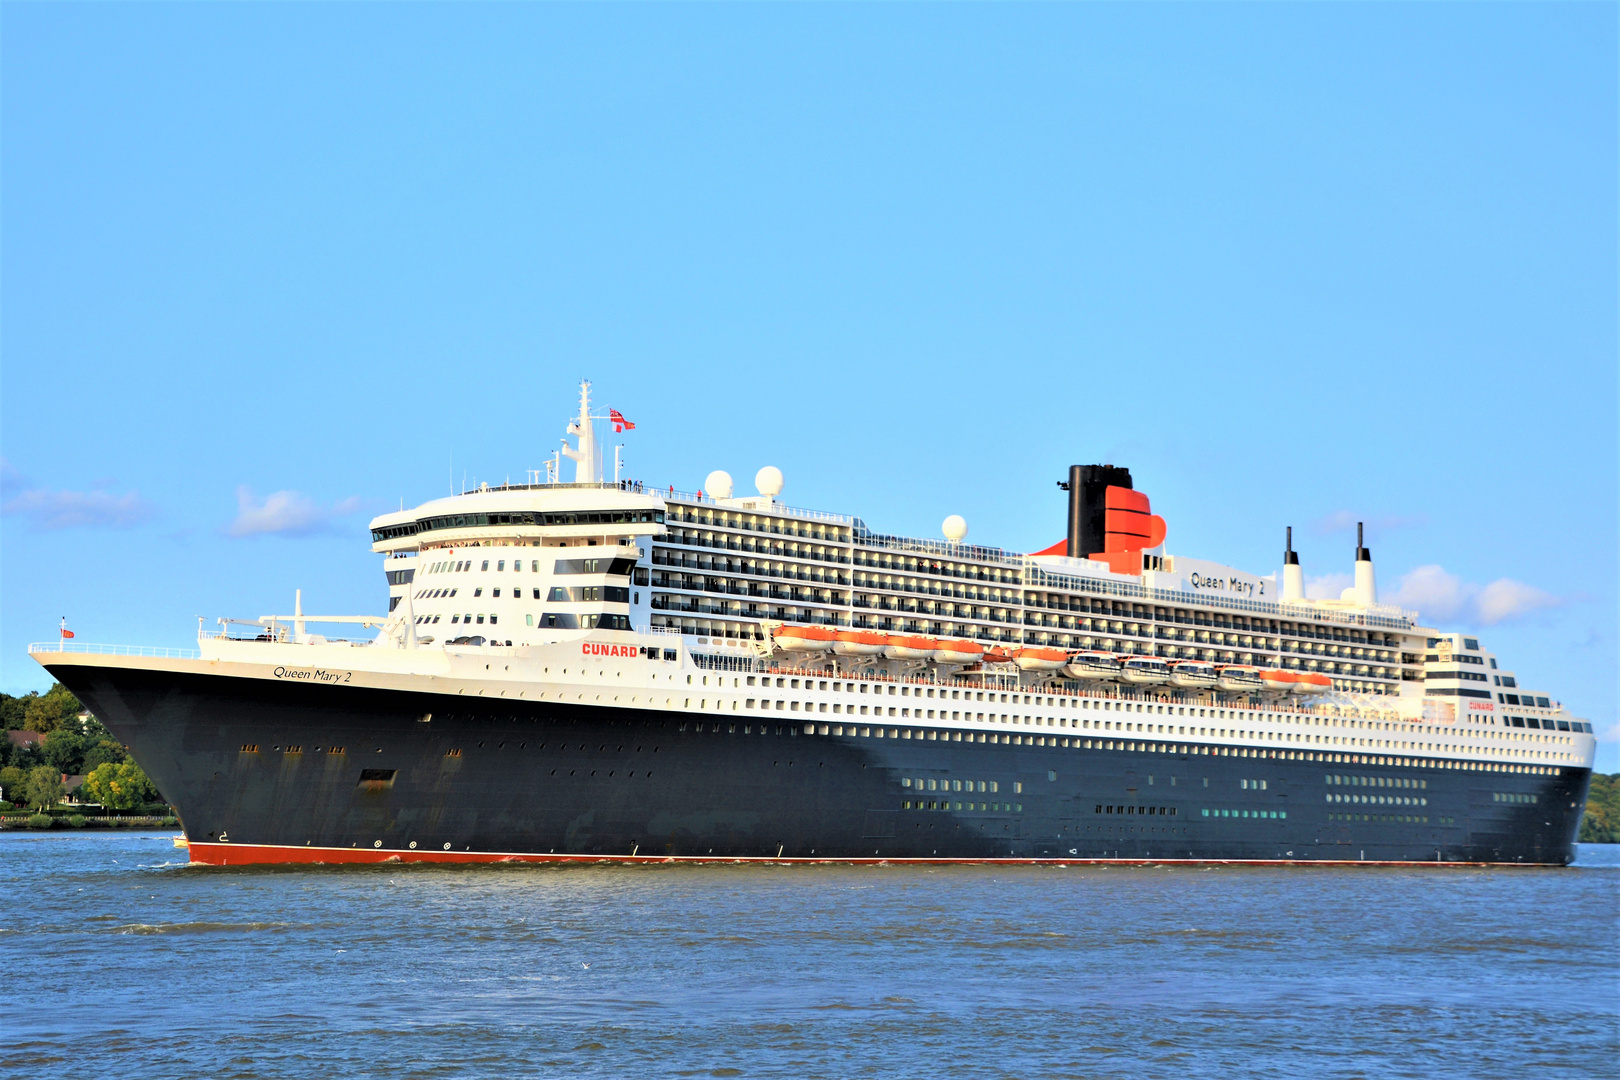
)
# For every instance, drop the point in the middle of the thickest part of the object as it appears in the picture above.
(1088, 512)
(1290, 556)
(1362, 554)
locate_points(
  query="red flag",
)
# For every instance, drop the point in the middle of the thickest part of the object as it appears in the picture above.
(65, 631)
(620, 424)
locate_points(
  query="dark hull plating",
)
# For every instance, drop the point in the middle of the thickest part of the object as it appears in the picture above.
(484, 778)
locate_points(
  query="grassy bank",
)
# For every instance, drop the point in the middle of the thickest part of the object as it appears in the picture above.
(24, 821)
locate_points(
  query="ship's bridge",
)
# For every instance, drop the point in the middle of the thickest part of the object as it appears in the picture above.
(550, 514)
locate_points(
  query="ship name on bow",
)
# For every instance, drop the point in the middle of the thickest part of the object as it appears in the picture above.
(313, 675)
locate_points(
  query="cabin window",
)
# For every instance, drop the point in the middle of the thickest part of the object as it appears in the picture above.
(486, 565)
(495, 593)
(500, 565)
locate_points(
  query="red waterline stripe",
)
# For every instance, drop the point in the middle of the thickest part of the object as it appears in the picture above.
(262, 854)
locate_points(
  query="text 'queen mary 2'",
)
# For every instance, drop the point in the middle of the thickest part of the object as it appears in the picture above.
(597, 670)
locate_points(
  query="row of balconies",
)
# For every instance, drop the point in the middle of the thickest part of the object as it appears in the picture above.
(880, 560)
(758, 589)
(935, 588)
(702, 605)
(1214, 619)
(664, 557)
(747, 544)
(773, 526)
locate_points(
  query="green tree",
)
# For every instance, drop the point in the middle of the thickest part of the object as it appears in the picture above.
(64, 750)
(12, 710)
(43, 787)
(13, 784)
(1601, 822)
(119, 787)
(102, 752)
(54, 709)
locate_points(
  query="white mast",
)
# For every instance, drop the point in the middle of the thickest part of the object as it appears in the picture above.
(586, 470)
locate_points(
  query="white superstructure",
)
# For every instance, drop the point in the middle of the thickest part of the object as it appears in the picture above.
(745, 610)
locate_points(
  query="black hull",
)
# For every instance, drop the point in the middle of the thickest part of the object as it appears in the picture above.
(491, 777)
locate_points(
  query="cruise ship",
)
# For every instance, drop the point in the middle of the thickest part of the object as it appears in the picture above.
(602, 670)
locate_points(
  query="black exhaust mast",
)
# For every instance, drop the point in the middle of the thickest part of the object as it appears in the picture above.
(1088, 508)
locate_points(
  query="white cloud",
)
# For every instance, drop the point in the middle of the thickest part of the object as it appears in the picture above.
(1505, 599)
(1441, 597)
(1327, 586)
(285, 513)
(97, 508)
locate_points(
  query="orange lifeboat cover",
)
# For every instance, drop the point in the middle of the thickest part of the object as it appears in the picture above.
(807, 633)
(862, 637)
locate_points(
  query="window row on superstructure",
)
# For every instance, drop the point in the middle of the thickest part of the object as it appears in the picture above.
(913, 586)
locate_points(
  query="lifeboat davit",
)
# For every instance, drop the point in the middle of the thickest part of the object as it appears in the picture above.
(1093, 665)
(907, 647)
(1309, 682)
(1240, 679)
(804, 638)
(1193, 674)
(956, 651)
(858, 643)
(1144, 670)
(1277, 680)
(1039, 659)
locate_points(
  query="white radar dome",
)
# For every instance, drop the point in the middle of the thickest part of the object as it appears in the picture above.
(718, 484)
(954, 528)
(769, 481)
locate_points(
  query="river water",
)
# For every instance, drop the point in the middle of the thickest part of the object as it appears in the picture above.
(123, 960)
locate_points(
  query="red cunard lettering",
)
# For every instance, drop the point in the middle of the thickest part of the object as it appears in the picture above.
(591, 648)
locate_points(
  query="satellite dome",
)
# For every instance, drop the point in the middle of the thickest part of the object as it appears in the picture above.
(718, 484)
(769, 481)
(954, 528)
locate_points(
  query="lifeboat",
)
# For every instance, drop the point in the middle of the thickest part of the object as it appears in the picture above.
(1093, 665)
(1039, 659)
(804, 638)
(1193, 675)
(907, 647)
(1240, 679)
(1309, 682)
(956, 651)
(858, 643)
(1277, 680)
(1144, 670)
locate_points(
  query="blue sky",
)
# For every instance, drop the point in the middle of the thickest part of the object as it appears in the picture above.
(270, 269)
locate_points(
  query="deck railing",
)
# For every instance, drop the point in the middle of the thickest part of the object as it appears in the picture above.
(113, 650)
